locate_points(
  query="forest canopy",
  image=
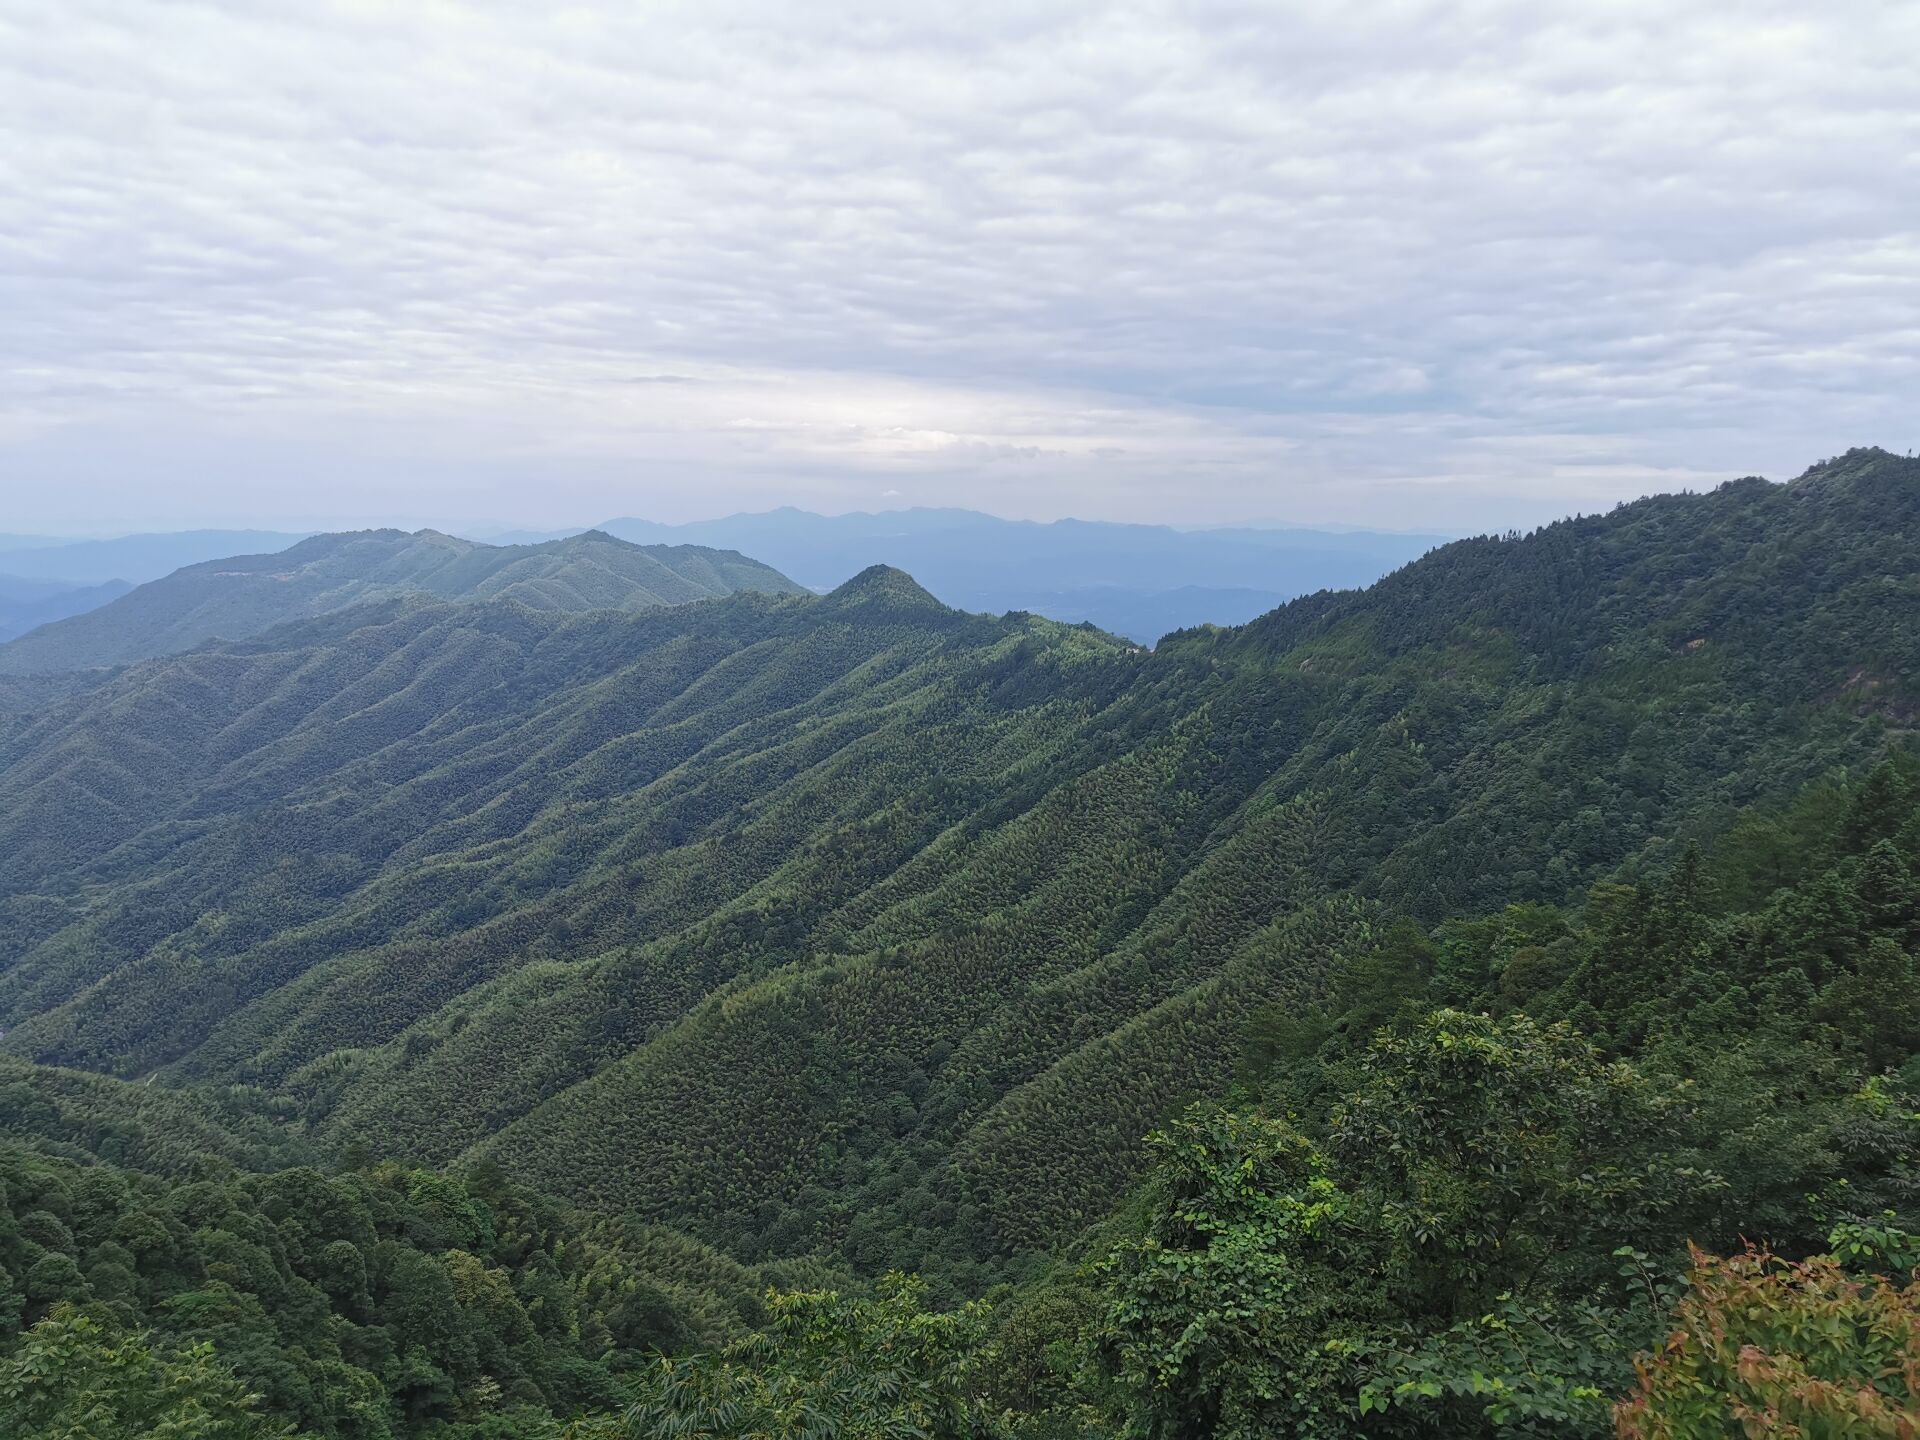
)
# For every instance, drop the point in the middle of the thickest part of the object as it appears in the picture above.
(1446, 1009)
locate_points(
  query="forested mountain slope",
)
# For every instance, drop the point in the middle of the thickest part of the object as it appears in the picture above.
(1460, 1196)
(356, 1302)
(242, 595)
(856, 923)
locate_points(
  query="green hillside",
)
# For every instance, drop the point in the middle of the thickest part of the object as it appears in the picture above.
(243, 595)
(362, 1303)
(1738, 1007)
(353, 1299)
(583, 971)
(855, 924)
(1462, 1194)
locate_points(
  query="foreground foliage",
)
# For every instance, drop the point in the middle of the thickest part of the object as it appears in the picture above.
(363, 1304)
(1468, 1189)
(74, 1378)
(826, 1365)
(1765, 1346)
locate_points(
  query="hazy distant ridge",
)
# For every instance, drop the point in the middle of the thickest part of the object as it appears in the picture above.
(1141, 581)
(1136, 580)
(134, 559)
(238, 596)
(27, 604)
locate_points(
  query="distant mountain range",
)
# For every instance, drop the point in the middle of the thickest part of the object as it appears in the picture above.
(27, 604)
(239, 596)
(1140, 581)
(132, 558)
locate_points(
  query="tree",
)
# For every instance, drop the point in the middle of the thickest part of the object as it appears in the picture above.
(74, 1378)
(1876, 1006)
(1764, 1346)
(827, 1365)
(1496, 1152)
(1234, 1314)
(1478, 1182)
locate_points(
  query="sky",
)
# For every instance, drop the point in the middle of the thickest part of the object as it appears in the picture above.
(1402, 265)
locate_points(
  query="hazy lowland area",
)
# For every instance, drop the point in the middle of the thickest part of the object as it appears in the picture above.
(1078, 723)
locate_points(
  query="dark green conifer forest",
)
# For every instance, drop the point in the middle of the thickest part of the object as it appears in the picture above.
(1480, 1005)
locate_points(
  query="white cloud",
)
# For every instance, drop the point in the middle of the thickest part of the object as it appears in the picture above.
(1413, 262)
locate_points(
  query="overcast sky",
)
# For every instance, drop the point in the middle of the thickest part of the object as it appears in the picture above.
(1404, 265)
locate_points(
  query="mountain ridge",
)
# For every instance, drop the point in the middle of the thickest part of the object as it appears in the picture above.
(1131, 579)
(27, 604)
(966, 897)
(237, 596)
(133, 559)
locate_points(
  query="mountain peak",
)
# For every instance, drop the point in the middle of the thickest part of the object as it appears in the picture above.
(1862, 459)
(884, 585)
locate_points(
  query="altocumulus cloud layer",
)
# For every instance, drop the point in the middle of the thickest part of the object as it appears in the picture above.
(1386, 263)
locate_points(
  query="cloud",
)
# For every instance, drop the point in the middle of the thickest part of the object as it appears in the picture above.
(1415, 262)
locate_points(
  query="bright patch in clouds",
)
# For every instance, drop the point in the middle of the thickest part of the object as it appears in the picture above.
(1399, 264)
